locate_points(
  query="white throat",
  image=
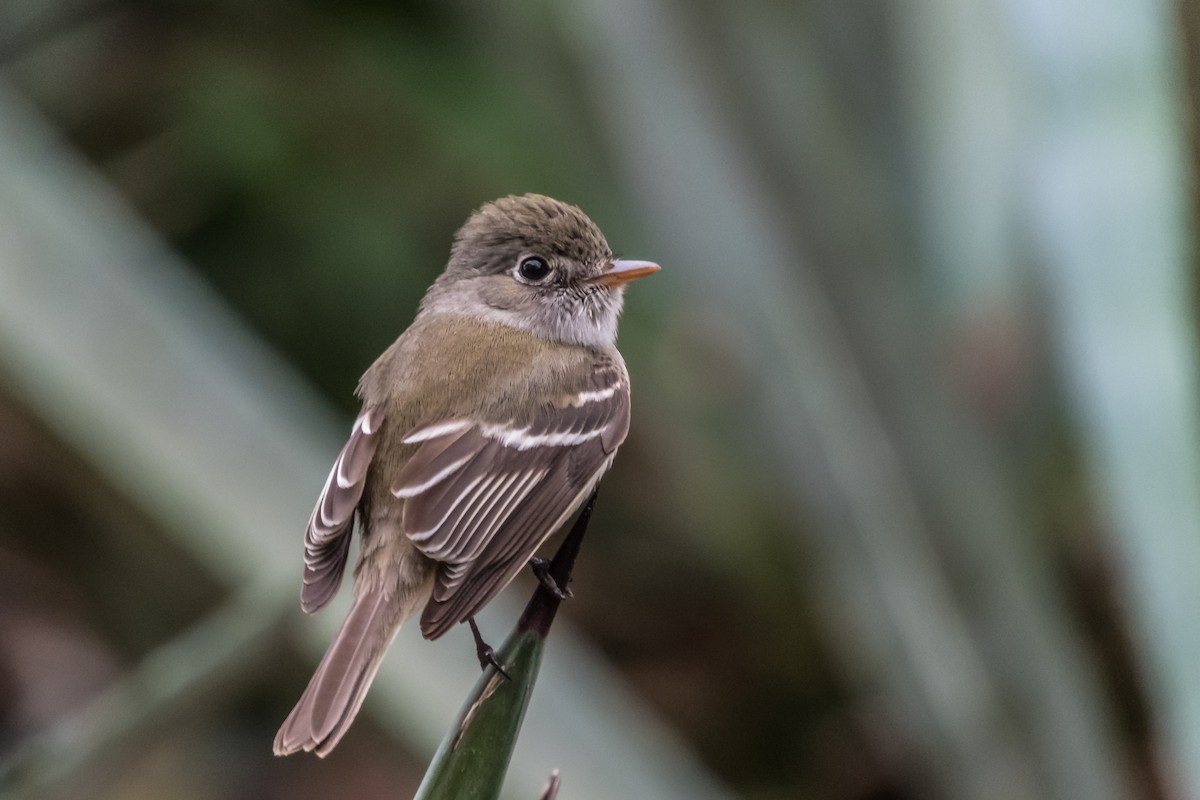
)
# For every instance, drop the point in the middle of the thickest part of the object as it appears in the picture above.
(592, 322)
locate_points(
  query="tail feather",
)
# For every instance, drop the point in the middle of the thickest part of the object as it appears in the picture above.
(336, 691)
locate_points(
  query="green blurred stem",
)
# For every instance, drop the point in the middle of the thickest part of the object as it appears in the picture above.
(473, 758)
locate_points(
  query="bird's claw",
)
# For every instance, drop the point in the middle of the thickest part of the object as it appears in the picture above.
(541, 568)
(484, 652)
(487, 658)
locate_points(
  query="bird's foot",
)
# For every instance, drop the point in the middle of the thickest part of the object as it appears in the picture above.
(484, 652)
(541, 568)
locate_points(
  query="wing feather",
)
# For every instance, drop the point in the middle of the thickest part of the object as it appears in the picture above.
(481, 496)
(496, 567)
(434, 534)
(327, 538)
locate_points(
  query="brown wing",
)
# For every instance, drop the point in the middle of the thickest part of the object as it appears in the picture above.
(481, 497)
(327, 539)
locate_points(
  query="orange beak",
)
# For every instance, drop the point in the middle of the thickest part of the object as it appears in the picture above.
(623, 271)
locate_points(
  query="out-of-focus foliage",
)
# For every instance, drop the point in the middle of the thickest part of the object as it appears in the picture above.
(312, 160)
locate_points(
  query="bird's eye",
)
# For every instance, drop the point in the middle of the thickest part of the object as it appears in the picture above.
(533, 269)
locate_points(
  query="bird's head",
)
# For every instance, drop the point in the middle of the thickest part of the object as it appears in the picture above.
(540, 265)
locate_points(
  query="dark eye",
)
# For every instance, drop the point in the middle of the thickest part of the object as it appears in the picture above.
(533, 269)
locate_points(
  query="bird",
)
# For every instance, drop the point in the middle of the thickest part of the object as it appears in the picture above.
(482, 429)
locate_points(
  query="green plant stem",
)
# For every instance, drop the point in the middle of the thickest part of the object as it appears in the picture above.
(473, 757)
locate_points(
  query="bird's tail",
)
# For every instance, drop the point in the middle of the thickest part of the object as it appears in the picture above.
(336, 691)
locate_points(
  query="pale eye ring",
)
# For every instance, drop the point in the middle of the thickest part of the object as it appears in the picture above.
(533, 269)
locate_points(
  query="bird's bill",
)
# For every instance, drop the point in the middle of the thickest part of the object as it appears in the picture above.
(622, 270)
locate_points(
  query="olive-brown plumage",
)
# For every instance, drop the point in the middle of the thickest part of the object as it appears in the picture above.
(482, 429)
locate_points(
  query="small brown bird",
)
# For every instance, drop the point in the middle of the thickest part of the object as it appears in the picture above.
(483, 427)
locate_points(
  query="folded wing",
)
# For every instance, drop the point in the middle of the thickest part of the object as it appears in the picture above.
(327, 539)
(480, 497)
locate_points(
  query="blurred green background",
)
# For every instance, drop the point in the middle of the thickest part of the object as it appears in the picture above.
(911, 501)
